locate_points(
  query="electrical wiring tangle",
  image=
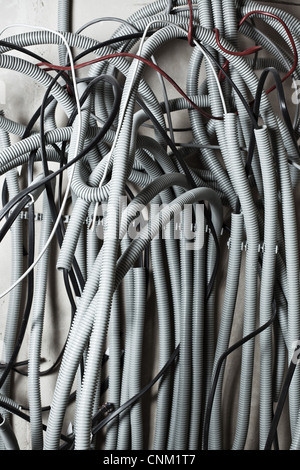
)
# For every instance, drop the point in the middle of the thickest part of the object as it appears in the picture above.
(149, 211)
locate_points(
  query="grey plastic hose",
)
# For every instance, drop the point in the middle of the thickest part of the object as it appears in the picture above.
(7, 435)
(35, 340)
(249, 210)
(267, 279)
(228, 310)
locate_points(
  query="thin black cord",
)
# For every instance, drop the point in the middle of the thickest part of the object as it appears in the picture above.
(279, 408)
(97, 427)
(220, 362)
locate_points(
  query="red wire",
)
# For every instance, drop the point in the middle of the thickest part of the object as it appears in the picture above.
(290, 36)
(190, 31)
(257, 48)
(251, 50)
(142, 59)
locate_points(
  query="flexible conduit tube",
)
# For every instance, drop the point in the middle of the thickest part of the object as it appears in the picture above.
(228, 309)
(121, 64)
(110, 250)
(189, 197)
(52, 156)
(240, 67)
(14, 301)
(210, 323)
(291, 152)
(184, 365)
(37, 74)
(290, 20)
(246, 127)
(267, 279)
(292, 267)
(130, 256)
(199, 134)
(160, 185)
(33, 142)
(280, 355)
(164, 311)
(198, 310)
(115, 368)
(63, 25)
(76, 341)
(236, 168)
(86, 193)
(139, 244)
(11, 126)
(35, 341)
(76, 222)
(230, 21)
(124, 435)
(205, 14)
(92, 243)
(136, 419)
(7, 435)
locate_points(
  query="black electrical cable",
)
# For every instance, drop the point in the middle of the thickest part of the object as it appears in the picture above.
(281, 100)
(281, 402)
(12, 46)
(18, 412)
(97, 427)
(13, 216)
(138, 396)
(283, 108)
(219, 365)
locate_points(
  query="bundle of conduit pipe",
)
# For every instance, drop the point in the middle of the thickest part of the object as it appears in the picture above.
(179, 260)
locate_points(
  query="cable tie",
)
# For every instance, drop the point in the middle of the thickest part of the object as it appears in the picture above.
(38, 216)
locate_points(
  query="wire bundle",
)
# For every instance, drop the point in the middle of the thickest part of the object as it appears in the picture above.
(146, 227)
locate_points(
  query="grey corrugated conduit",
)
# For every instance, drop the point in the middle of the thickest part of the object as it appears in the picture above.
(124, 434)
(18, 149)
(198, 333)
(185, 369)
(243, 191)
(118, 252)
(36, 73)
(246, 127)
(7, 435)
(291, 152)
(75, 345)
(110, 251)
(267, 278)
(36, 333)
(115, 368)
(15, 299)
(229, 305)
(165, 215)
(135, 384)
(199, 133)
(137, 245)
(164, 309)
(63, 25)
